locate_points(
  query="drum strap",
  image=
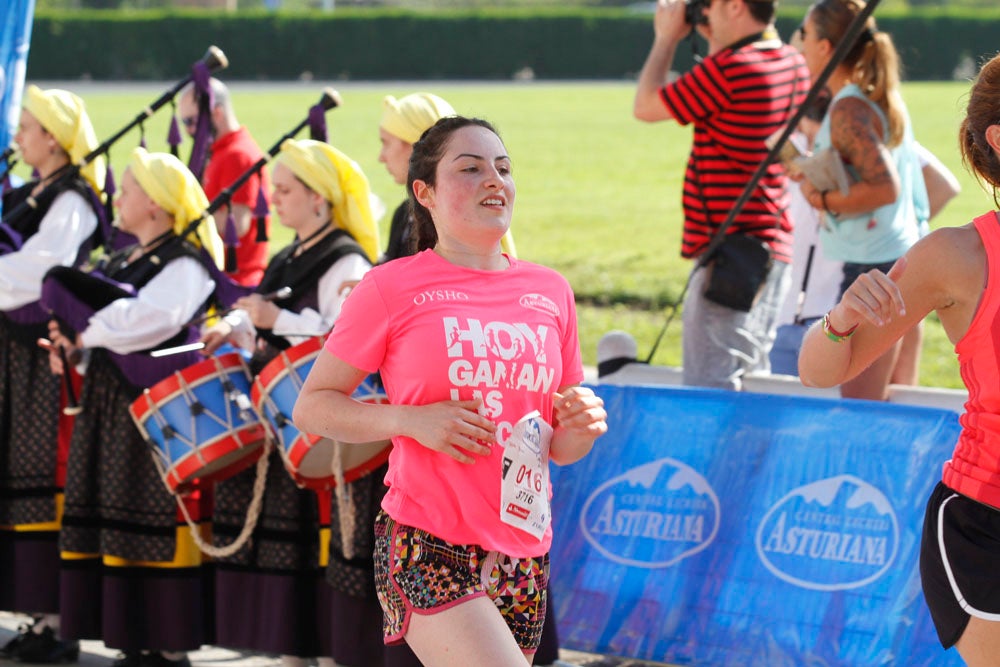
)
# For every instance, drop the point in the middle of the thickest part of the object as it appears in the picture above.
(249, 522)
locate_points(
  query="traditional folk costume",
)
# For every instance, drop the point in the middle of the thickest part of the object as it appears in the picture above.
(60, 228)
(271, 595)
(132, 574)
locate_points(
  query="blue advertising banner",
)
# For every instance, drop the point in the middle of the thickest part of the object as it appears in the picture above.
(721, 528)
(15, 39)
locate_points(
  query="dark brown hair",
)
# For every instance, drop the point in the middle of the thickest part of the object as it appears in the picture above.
(982, 111)
(427, 153)
(761, 10)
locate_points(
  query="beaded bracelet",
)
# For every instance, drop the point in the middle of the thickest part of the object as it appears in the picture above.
(822, 198)
(833, 334)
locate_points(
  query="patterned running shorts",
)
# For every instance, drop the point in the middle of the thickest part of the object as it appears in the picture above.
(416, 570)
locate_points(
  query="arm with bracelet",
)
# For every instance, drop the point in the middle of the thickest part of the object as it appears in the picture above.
(940, 273)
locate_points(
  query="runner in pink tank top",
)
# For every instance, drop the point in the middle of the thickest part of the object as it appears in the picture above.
(956, 273)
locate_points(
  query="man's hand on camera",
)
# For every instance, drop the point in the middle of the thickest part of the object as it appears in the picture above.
(669, 23)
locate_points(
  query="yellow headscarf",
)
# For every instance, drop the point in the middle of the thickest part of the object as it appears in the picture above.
(340, 181)
(409, 116)
(173, 187)
(63, 115)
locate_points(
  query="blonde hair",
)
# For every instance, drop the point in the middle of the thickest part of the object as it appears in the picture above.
(873, 60)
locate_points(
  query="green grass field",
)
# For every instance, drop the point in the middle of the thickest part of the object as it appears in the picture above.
(598, 192)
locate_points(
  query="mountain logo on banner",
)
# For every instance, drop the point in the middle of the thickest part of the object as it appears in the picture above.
(652, 516)
(834, 534)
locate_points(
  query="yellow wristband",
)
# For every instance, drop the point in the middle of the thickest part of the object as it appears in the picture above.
(833, 334)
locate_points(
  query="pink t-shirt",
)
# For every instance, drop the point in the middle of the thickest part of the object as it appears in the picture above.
(438, 332)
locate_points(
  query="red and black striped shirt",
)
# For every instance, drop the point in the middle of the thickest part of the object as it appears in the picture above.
(736, 98)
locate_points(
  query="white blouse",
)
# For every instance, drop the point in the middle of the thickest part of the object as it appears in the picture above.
(298, 327)
(160, 309)
(68, 223)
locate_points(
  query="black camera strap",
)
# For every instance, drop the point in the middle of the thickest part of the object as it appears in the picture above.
(851, 35)
(750, 39)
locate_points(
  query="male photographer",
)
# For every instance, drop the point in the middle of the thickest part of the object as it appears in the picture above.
(746, 89)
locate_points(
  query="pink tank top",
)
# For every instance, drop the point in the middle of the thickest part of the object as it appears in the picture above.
(974, 468)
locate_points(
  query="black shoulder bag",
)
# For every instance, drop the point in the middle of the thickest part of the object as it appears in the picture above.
(739, 263)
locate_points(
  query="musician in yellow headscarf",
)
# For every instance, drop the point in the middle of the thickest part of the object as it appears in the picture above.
(50, 221)
(323, 196)
(403, 121)
(121, 540)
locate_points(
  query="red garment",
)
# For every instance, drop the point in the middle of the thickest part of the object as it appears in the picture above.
(232, 155)
(974, 468)
(736, 98)
(66, 422)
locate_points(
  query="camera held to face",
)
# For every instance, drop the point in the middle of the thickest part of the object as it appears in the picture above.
(694, 12)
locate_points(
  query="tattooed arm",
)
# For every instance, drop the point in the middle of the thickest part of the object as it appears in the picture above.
(856, 133)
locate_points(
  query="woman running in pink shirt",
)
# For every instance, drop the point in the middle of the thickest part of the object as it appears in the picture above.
(480, 359)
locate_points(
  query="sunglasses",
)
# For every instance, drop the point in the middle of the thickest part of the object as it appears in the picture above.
(190, 121)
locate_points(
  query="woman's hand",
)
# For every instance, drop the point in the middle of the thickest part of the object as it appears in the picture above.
(55, 362)
(347, 286)
(580, 410)
(57, 339)
(262, 312)
(579, 418)
(454, 428)
(810, 194)
(874, 297)
(215, 337)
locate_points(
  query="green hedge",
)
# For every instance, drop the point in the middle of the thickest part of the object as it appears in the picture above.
(399, 44)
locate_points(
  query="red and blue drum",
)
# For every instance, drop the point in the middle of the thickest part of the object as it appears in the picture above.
(200, 422)
(310, 458)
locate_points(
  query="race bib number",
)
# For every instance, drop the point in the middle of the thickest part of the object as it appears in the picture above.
(524, 499)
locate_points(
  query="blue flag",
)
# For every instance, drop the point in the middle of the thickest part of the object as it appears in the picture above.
(15, 39)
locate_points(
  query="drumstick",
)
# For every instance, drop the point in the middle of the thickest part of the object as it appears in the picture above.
(167, 351)
(276, 295)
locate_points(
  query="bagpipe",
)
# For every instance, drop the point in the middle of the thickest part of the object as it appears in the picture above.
(33, 315)
(71, 296)
(316, 120)
(10, 240)
(197, 413)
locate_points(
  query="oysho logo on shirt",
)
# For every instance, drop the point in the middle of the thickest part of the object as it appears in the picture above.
(439, 295)
(539, 302)
(652, 516)
(834, 534)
